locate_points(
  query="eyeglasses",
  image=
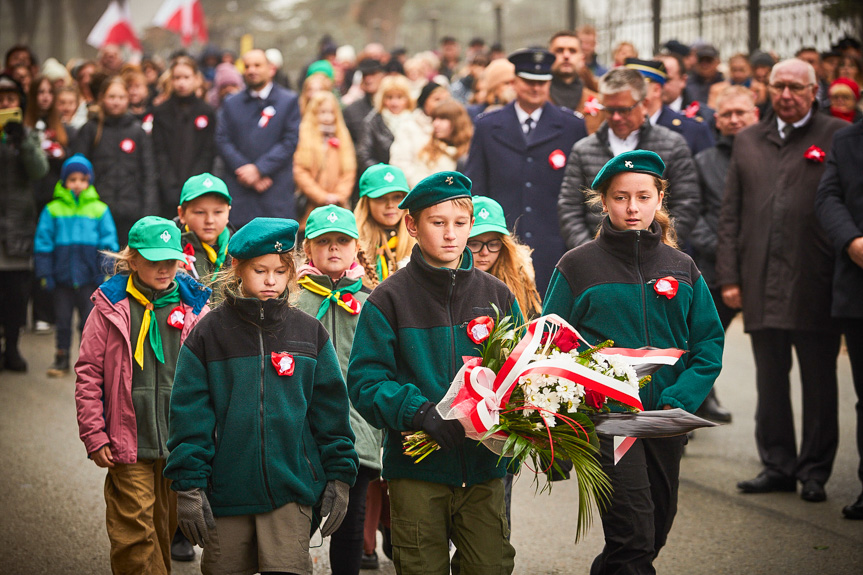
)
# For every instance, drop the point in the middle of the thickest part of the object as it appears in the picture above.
(476, 246)
(796, 89)
(611, 110)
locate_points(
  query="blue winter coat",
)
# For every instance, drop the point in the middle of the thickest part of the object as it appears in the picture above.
(242, 139)
(521, 177)
(70, 235)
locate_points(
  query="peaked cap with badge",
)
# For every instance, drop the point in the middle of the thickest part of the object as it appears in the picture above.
(263, 236)
(382, 179)
(205, 183)
(156, 239)
(638, 161)
(332, 218)
(437, 188)
(532, 63)
(652, 70)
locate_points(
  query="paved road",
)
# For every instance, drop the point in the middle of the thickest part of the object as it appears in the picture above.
(52, 510)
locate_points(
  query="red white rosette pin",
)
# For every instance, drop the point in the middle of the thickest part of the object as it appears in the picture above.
(284, 363)
(666, 286)
(592, 106)
(351, 302)
(177, 317)
(480, 328)
(334, 143)
(692, 109)
(202, 122)
(147, 123)
(557, 159)
(815, 154)
(266, 114)
(127, 145)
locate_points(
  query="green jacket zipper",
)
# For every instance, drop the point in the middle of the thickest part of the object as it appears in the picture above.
(263, 441)
(643, 301)
(156, 403)
(453, 367)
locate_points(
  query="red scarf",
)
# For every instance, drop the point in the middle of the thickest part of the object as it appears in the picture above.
(847, 116)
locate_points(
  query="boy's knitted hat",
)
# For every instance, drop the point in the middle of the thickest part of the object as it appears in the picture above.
(488, 216)
(263, 236)
(327, 219)
(76, 163)
(437, 188)
(205, 183)
(156, 239)
(639, 161)
(382, 179)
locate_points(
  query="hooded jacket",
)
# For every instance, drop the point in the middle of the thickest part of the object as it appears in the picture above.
(259, 411)
(103, 390)
(20, 163)
(70, 236)
(411, 337)
(605, 289)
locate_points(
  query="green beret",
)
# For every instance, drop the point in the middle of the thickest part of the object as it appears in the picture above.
(156, 239)
(382, 179)
(205, 183)
(639, 161)
(321, 67)
(263, 236)
(488, 217)
(331, 218)
(437, 188)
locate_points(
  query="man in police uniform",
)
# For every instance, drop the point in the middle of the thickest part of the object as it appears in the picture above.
(674, 95)
(518, 154)
(697, 135)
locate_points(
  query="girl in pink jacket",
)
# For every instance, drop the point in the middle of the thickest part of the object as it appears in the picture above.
(125, 373)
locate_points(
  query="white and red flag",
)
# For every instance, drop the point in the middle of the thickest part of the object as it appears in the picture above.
(183, 17)
(115, 27)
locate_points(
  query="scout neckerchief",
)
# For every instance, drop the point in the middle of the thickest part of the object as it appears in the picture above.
(381, 267)
(149, 322)
(222, 242)
(330, 295)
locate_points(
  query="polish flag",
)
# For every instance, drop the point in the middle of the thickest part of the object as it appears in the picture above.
(114, 27)
(183, 17)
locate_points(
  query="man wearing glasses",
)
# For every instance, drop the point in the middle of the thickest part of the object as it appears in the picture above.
(775, 262)
(626, 127)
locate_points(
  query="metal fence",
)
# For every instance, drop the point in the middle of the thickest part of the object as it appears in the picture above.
(781, 26)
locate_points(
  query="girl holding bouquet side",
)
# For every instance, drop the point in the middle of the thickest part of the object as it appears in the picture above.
(631, 284)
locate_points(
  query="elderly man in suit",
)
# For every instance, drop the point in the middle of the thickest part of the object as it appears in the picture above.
(256, 136)
(776, 262)
(626, 127)
(517, 157)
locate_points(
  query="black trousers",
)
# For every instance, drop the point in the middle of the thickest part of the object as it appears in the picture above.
(14, 293)
(643, 505)
(854, 339)
(66, 300)
(726, 314)
(774, 421)
(346, 544)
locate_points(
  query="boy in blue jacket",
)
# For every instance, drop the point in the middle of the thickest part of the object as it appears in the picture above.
(73, 229)
(409, 343)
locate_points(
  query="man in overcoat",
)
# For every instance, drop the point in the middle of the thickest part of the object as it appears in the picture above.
(839, 205)
(256, 136)
(517, 157)
(776, 262)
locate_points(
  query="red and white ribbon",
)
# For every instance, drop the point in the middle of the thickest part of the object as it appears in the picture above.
(266, 114)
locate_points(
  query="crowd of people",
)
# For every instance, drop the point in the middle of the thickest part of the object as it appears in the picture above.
(204, 192)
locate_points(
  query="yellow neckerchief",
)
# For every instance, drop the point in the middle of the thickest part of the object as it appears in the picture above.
(382, 268)
(329, 295)
(155, 338)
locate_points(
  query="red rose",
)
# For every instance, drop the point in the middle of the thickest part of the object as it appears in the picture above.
(666, 286)
(480, 328)
(565, 339)
(594, 399)
(815, 154)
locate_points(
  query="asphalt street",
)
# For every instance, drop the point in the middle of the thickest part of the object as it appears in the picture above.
(52, 511)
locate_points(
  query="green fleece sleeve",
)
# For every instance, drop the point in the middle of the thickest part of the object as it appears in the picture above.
(372, 374)
(329, 418)
(704, 357)
(558, 298)
(191, 425)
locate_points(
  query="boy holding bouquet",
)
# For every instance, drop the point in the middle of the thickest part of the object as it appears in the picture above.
(413, 330)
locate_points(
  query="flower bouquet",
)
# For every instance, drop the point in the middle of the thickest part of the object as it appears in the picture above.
(532, 393)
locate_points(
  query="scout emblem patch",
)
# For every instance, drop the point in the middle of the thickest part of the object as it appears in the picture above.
(284, 363)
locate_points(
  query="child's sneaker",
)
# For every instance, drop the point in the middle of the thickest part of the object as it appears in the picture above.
(60, 367)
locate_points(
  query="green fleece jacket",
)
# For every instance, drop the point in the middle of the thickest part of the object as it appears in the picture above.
(409, 344)
(341, 326)
(257, 438)
(606, 290)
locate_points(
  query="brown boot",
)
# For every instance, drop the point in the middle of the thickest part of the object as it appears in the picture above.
(60, 367)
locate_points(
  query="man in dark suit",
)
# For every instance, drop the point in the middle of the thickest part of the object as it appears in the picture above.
(517, 157)
(674, 95)
(697, 135)
(256, 135)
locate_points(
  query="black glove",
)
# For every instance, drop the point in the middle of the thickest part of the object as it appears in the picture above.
(15, 131)
(448, 433)
(194, 516)
(334, 506)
